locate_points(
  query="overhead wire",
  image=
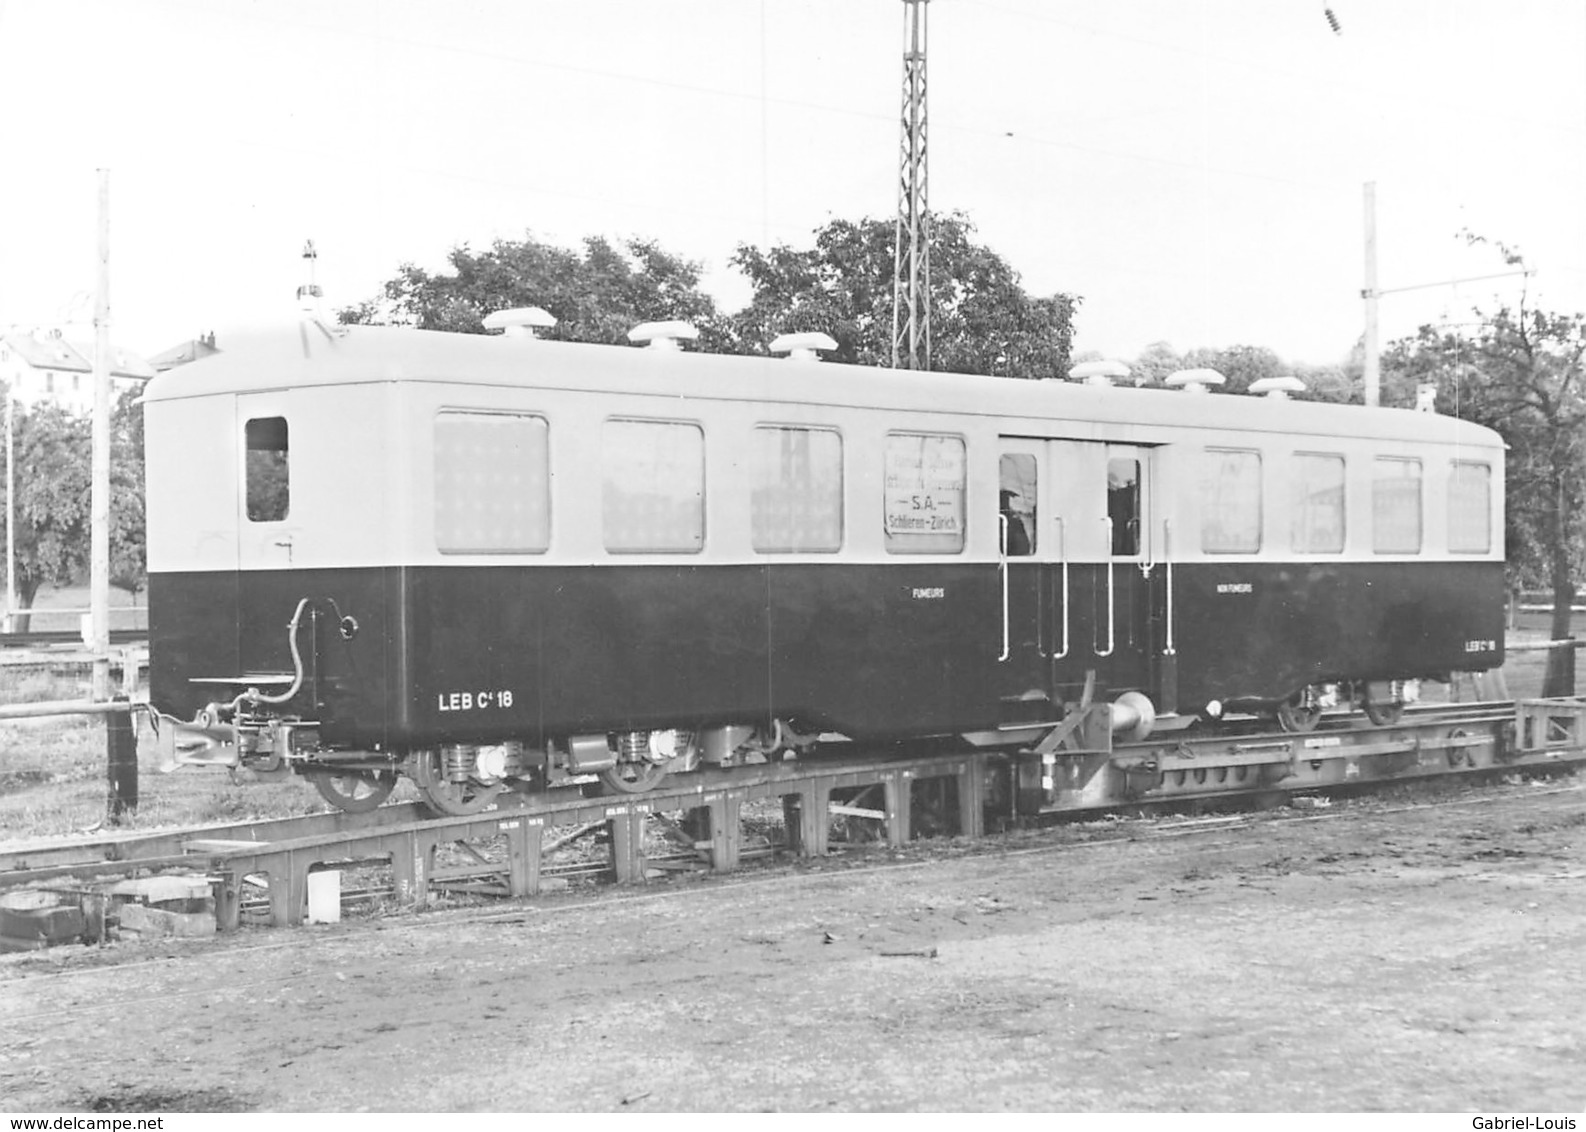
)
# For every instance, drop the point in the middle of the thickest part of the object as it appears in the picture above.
(942, 123)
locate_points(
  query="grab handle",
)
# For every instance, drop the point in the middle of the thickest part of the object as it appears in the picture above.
(1062, 553)
(1111, 605)
(1002, 566)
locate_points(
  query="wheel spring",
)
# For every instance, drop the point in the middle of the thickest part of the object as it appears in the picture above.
(633, 746)
(459, 762)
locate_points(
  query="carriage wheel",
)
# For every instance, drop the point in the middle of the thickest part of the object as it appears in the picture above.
(453, 799)
(633, 778)
(1296, 716)
(355, 792)
(1383, 714)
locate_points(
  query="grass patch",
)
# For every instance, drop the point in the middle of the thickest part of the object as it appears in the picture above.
(53, 783)
(38, 683)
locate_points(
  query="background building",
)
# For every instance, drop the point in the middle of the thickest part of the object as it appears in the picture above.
(42, 367)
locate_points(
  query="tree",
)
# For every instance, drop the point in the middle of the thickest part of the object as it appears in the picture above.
(982, 319)
(129, 569)
(1155, 364)
(597, 295)
(54, 483)
(1327, 383)
(53, 453)
(1241, 365)
(1521, 373)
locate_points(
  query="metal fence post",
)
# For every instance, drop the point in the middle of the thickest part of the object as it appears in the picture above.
(121, 762)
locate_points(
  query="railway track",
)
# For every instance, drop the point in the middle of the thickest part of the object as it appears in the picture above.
(1092, 839)
(507, 850)
(46, 638)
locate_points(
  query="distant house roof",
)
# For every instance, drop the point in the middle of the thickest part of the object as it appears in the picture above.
(58, 354)
(190, 351)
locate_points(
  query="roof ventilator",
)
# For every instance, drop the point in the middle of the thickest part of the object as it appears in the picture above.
(1100, 372)
(1195, 380)
(1278, 388)
(803, 347)
(663, 335)
(519, 322)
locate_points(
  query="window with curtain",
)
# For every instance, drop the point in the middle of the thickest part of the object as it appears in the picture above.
(492, 483)
(1230, 501)
(796, 490)
(653, 486)
(1316, 506)
(1396, 505)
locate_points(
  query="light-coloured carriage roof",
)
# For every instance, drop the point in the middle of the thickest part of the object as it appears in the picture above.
(313, 356)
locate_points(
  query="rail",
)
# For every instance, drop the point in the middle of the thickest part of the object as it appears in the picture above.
(1543, 646)
(45, 708)
(973, 790)
(36, 638)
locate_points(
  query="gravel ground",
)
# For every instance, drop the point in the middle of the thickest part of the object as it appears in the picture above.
(1375, 956)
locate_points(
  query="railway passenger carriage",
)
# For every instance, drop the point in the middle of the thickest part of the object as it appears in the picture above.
(498, 563)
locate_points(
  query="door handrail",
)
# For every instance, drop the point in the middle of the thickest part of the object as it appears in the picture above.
(1062, 555)
(1111, 604)
(1167, 568)
(1002, 566)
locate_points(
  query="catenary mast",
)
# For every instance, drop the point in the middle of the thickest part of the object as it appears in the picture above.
(911, 310)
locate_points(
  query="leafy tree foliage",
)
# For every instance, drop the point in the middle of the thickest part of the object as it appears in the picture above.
(597, 295)
(129, 568)
(1241, 365)
(1522, 374)
(982, 319)
(1156, 364)
(53, 474)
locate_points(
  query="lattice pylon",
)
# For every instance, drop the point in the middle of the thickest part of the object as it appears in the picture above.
(911, 309)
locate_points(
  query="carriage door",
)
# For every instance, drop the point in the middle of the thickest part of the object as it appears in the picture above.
(268, 523)
(1101, 572)
(1027, 546)
(1082, 578)
(1124, 624)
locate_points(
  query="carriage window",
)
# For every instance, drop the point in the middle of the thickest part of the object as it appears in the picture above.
(1017, 503)
(653, 492)
(268, 484)
(1396, 506)
(1123, 504)
(796, 490)
(492, 483)
(1317, 503)
(924, 503)
(1470, 508)
(1231, 501)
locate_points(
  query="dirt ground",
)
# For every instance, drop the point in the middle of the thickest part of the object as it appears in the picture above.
(1424, 955)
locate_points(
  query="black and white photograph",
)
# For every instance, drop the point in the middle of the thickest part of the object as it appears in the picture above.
(737, 557)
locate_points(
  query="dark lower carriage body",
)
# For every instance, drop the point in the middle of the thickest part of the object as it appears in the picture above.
(484, 654)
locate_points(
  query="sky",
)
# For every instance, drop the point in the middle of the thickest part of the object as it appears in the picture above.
(1194, 170)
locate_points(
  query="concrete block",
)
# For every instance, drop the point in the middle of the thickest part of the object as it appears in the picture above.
(153, 922)
(324, 897)
(29, 915)
(162, 889)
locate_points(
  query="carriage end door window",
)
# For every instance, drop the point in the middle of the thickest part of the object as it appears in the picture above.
(272, 501)
(267, 470)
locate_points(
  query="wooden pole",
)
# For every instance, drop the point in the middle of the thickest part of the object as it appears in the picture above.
(121, 741)
(99, 495)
